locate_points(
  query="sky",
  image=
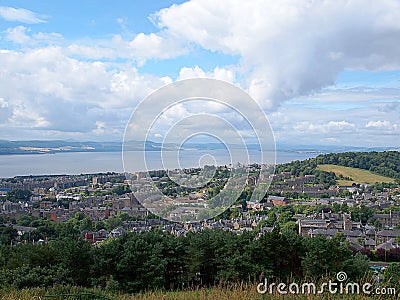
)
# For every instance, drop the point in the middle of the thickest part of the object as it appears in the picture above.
(324, 72)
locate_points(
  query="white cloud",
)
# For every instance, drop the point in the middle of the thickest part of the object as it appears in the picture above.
(173, 114)
(48, 90)
(224, 74)
(141, 48)
(298, 123)
(147, 46)
(20, 15)
(382, 125)
(100, 127)
(50, 38)
(3, 103)
(378, 124)
(330, 127)
(291, 48)
(18, 35)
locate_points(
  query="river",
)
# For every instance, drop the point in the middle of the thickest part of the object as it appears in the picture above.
(96, 162)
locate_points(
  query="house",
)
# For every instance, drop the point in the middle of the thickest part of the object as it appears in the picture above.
(116, 232)
(370, 233)
(354, 244)
(328, 232)
(278, 201)
(96, 236)
(23, 229)
(307, 226)
(338, 222)
(45, 204)
(369, 244)
(385, 235)
(390, 220)
(387, 245)
(255, 205)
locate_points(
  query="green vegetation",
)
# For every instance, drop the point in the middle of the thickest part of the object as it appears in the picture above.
(382, 163)
(121, 189)
(392, 275)
(353, 175)
(307, 167)
(222, 292)
(327, 168)
(18, 195)
(156, 260)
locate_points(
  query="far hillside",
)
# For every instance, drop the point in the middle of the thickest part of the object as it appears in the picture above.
(364, 167)
(347, 175)
(381, 163)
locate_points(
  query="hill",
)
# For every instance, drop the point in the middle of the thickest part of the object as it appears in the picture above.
(354, 175)
(385, 163)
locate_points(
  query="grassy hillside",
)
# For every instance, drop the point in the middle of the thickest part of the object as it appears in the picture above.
(383, 163)
(357, 175)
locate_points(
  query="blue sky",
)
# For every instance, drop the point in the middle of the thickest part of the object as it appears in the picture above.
(91, 18)
(324, 73)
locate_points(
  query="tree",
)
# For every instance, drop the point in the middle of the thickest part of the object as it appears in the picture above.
(142, 265)
(356, 266)
(285, 217)
(397, 240)
(272, 219)
(76, 257)
(200, 257)
(26, 220)
(7, 235)
(324, 256)
(290, 225)
(113, 222)
(18, 195)
(392, 276)
(86, 224)
(377, 224)
(362, 213)
(121, 189)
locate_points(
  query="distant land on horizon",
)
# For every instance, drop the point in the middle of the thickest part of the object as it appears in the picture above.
(8, 147)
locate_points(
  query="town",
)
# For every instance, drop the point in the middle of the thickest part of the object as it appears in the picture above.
(367, 216)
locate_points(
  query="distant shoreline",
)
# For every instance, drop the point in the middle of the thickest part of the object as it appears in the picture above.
(38, 147)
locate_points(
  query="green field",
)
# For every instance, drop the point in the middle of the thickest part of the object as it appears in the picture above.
(357, 175)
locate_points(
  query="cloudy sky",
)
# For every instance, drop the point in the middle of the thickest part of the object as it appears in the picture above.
(325, 72)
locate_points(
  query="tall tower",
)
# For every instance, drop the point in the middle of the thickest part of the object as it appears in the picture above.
(347, 223)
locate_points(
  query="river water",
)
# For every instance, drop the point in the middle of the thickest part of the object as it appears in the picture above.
(95, 162)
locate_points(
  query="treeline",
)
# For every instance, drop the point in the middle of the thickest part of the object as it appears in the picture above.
(382, 163)
(49, 230)
(158, 260)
